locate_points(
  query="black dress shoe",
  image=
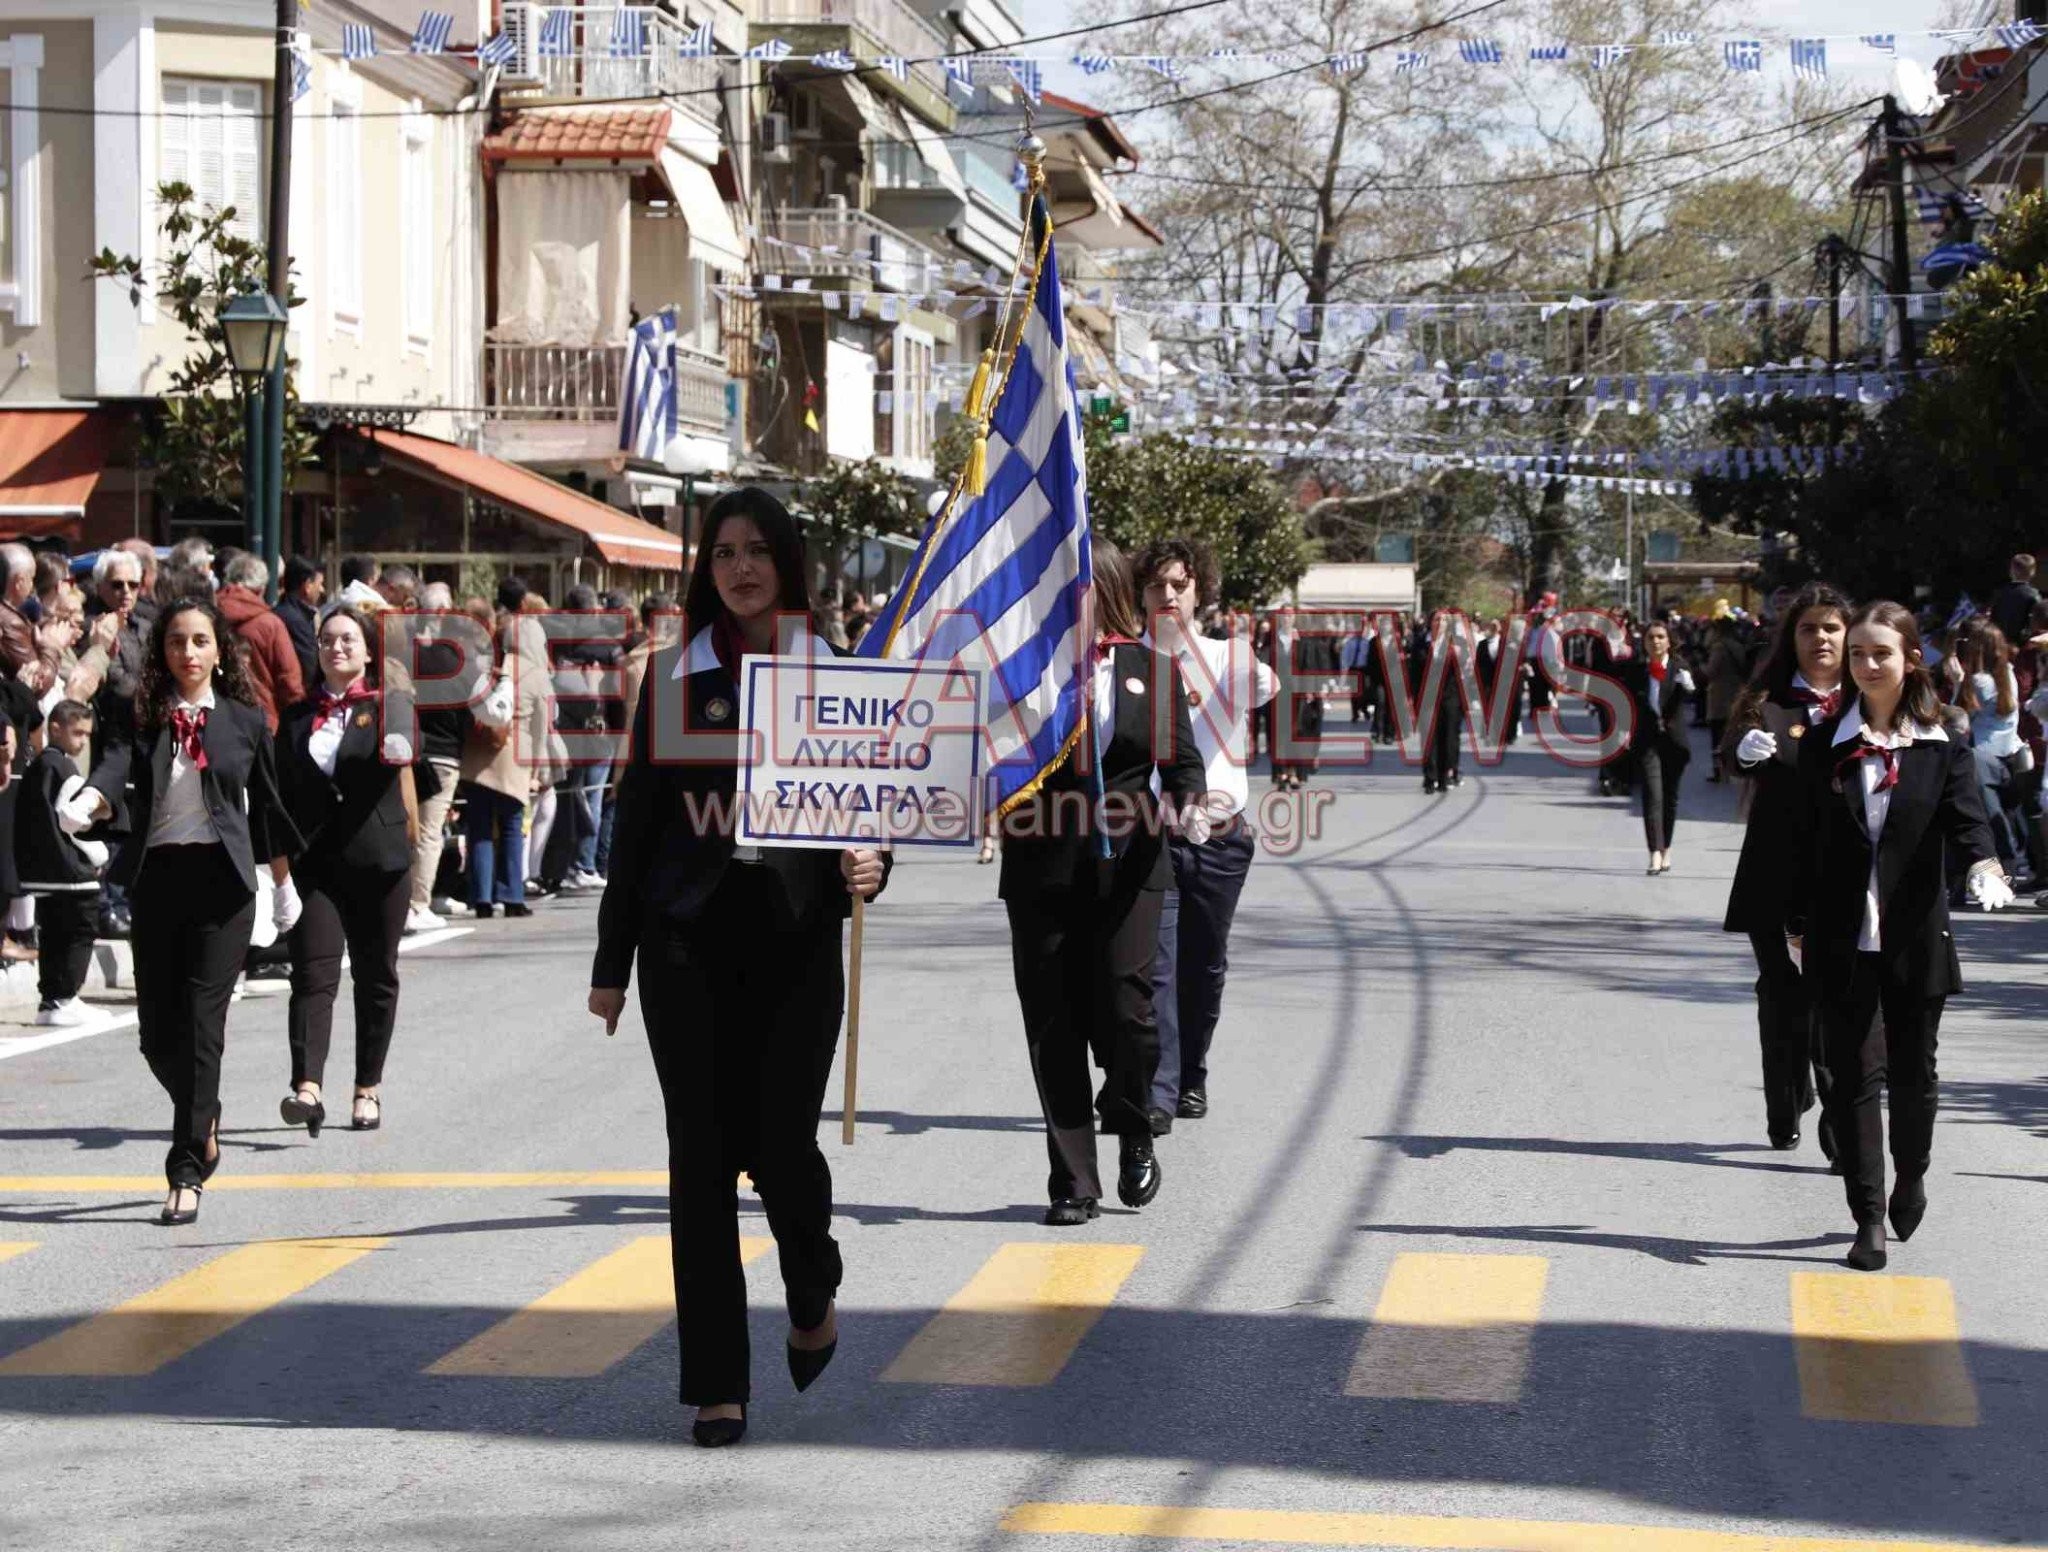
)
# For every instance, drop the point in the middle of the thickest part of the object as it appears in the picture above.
(1909, 1206)
(1162, 1123)
(481, 912)
(807, 1363)
(512, 909)
(1194, 1104)
(1070, 1210)
(1138, 1173)
(713, 1432)
(1785, 1142)
(1868, 1254)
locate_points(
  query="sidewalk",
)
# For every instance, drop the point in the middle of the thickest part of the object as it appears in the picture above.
(112, 969)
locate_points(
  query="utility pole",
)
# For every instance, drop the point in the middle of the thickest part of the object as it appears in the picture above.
(1901, 267)
(1832, 249)
(280, 264)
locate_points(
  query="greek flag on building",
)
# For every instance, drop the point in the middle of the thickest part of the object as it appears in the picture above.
(999, 582)
(647, 399)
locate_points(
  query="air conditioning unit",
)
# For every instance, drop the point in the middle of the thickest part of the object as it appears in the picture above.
(775, 137)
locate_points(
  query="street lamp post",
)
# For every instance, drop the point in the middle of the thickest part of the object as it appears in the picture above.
(253, 325)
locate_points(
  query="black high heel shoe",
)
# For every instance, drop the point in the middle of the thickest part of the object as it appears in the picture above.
(712, 1433)
(1868, 1253)
(807, 1363)
(294, 1111)
(1909, 1206)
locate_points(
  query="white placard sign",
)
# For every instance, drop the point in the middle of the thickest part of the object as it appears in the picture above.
(848, 752)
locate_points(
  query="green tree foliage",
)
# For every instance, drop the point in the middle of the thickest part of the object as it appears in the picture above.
(852, 502)
(195, 439)
(1159, 486)
(1941, 486)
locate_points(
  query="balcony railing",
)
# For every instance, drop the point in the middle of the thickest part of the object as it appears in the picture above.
(583, 383)
(891, 24)
(851, 242)
(608, 51)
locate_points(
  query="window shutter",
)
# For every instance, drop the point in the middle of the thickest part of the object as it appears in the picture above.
(174, 152)
(242, 160)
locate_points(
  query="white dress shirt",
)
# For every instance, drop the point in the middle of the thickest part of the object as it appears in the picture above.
(1877, 805)
(181, 818)
(1813, 712)
(1224, 690)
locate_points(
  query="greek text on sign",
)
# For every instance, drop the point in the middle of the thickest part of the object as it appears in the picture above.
(855, 753)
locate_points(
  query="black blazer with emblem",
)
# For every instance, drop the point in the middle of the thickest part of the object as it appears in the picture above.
(1773, 833)
(1934, 832)
(1046, 850)
(356, 817)
(239, 782)
(672, 827)
(1659, 708)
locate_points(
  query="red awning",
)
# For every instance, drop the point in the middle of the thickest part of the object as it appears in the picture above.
(50, 460)
(619, 537)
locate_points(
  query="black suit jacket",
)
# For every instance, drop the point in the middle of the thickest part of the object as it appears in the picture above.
(1051, 842)
(1935, 830)
(240, 784)
(1659, 710)
(1772, 837)
(355, 817)
(672, 827)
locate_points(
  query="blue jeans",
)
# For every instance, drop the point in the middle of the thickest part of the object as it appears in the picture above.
(495, 827)
(1194, 956)
(588, 782)
(1995, 780)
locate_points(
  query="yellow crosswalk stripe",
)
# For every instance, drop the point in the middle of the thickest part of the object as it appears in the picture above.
(10, 1248)
(594, 1320)
(1292, 1527)
(1451, 1328)
(147, 1332)
(1019, 1319)
(1880, 1350)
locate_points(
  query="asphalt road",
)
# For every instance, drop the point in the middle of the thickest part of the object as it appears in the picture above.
(1482, 1246)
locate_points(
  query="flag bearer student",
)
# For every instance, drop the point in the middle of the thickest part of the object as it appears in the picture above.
(1179, 577)
(61, 870)
(203, 811)
(1083, 881)
(1796, 689)
(1892, 808)
(741, 983)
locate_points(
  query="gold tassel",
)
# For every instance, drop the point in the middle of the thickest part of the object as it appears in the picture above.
(974, 478)
(977, 390)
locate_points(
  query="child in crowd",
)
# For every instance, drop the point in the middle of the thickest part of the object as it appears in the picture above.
(62, 871)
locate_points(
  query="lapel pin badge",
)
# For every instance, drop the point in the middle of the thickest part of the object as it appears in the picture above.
(718, 708)
(1796, 730)
(1135, 685)
(362, 719)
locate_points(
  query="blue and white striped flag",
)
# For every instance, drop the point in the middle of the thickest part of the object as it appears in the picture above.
(629, 33)
(2019, 34)
(697, 43)
(1029, 77)
(647, 398)
(1094, 64)
(1606, 55)
(358, 41)
(1348, 63)
(1882, 42)
(554, 41)
(1001, 581)
(1411, 61)
(1744, 53)
(895, 65)
(1163, 64)
(835, 59)
(431, 35)
(773, 49)
(959, 70)
(1550, 53)
(1677, 38)
(1810, 58)
(1479, 51)
(499, 50)
(1933, 202)
(302, 76)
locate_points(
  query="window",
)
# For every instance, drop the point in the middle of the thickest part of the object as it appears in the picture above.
(914, 411)
(345, 215)
(416, 212)
(211, 141)
(701, 328)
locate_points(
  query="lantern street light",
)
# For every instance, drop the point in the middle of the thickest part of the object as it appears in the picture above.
(253, 326)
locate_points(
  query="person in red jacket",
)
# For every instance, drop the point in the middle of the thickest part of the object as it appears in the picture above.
(273, 662)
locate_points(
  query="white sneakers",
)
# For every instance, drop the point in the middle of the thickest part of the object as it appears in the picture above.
(582, 880)
(418, 919)
(68, 1014)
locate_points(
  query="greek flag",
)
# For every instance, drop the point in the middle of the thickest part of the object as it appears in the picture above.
(358, 41)
(1933, 203)
(1677, 39)
(2019, 34)
(647, 398)
(1163, 64)
(1410, 61)
(302, 76)
(555, 42)
(431, 35)
(1094, 64)
(1608, 54)
(1810, 58)
(834, 59)
(895, 65)
(697, 43)
(629, 33)
(1744, 53)
(1550, 53)
(959, 70)
(1029, 78)
(499, 50)
(773, 49)
(1479, 51)
(1000, 581)
(1348, 63)
(1882, 42)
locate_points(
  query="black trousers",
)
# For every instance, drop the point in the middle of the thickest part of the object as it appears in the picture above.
(1194, 956)
(742, 1021)
(1083, 964)
(363, 911)
(1658, 772)
(193, 912)
(1868, 1055)
(1445, 744)
(66, 925)
(1795, 1068)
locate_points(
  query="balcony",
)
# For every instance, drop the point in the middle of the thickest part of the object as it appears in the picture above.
(866, 29)
(580, 52)
(546, 403)
(850, 245)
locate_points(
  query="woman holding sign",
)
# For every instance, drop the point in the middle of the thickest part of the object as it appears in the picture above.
(1084, 878)
(741, 985)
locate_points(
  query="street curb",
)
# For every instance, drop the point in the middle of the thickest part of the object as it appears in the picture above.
(112, 968)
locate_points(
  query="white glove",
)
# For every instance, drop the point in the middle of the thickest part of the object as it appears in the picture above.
(79, 812)
(285, 906)
(1989, 889)
(1684, 678)
(1757, 746)
(1194, 824)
